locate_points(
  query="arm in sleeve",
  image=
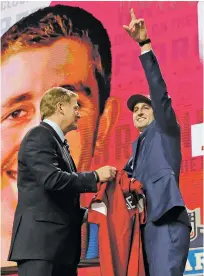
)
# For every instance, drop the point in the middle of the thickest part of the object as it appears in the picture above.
(84, 214)
(161, 102)
(43, 162)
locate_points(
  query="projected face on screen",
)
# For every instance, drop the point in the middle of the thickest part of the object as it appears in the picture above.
(67, 63)
(27, 72)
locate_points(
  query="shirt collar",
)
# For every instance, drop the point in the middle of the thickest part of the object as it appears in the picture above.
(56, 128)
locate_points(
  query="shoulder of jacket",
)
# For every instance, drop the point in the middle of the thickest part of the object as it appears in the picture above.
(39, 132)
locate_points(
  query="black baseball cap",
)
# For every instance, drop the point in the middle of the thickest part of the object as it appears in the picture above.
(138, 98)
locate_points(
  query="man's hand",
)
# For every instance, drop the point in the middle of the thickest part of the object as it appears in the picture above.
(106, 173)
(136, 29)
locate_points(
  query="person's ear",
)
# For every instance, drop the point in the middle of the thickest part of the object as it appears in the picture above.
(107, 122)
(59, 108)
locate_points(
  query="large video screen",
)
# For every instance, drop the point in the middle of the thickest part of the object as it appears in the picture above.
(106, 132)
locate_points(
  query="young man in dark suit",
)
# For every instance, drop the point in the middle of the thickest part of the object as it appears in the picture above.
(46, 237)
(156, 164)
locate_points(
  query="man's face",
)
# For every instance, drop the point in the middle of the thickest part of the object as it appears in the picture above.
(25, 78)
(142, 116)
(71, 115)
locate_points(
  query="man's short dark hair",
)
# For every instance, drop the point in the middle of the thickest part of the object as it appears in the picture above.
(45, 26)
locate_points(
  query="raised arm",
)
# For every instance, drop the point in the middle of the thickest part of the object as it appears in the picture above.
(161, 102)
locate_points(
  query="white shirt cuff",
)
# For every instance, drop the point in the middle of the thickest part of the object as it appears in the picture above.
(144, 52)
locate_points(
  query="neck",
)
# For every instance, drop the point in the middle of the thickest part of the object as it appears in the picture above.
(57, 121)
(54, 120)
(141, 129)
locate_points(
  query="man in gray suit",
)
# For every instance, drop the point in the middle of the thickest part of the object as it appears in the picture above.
(46, 237)
(156, 164)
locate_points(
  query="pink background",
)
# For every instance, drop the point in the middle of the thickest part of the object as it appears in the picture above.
(173, 29)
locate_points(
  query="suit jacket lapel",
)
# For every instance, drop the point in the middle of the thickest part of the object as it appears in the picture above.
(145, 138)
(54, 133)
(134, 150)
(147, 135)
(73, 163)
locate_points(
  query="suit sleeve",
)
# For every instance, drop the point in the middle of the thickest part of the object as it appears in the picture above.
(161, 102)
(83, 214)
(41, 158)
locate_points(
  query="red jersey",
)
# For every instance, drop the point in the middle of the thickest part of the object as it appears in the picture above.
(119, 213)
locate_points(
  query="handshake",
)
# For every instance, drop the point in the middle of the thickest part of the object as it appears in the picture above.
(106, 173)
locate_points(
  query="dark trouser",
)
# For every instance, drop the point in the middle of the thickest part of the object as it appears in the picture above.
(45, 268)
(166, 248)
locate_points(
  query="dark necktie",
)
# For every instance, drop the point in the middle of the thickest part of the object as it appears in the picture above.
(66, 146)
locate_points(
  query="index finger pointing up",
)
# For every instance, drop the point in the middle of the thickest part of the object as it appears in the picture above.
(132, 14)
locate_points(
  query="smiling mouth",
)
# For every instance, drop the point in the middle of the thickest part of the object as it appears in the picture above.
(141, 119)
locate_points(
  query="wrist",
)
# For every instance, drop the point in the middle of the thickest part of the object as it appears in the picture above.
(144, 41)
(146, 48)
(145, 45)
(97, 176)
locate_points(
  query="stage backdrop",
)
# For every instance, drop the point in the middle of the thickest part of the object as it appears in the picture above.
(175, 29)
